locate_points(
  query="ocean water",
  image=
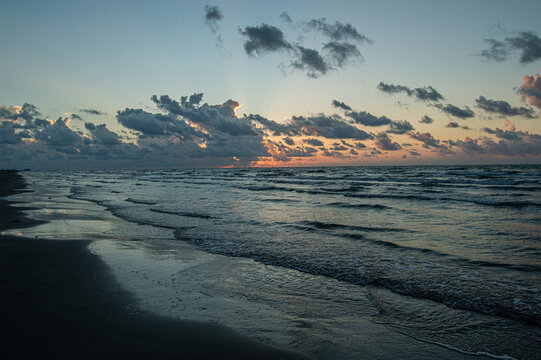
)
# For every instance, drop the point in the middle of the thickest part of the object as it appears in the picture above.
(344, 262)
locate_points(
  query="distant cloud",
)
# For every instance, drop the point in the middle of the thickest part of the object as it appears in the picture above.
(76, 117)
(400, 127)
(367, 119)
(336, 52)
(93, 112)
(527, 43)
(314, 142)
(285, 17)
(427, 93)
(531, 90)
(426, 120)
(383, 142)
(311, 61)
(497, 51)
(341, 52)
(452, 125)
(456, 111)
(212, 16)
(264, 38)
(337, 31)
(427, 140)
(503, 108)
(341, 105)
(508, 143)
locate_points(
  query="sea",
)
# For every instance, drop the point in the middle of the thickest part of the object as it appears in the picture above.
(334, 262)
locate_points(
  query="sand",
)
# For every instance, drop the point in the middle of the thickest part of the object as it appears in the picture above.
(57, 300)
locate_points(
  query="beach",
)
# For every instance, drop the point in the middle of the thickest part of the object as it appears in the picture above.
(60, 301)
(324, 263)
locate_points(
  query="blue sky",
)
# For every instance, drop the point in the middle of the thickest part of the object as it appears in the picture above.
(64, 56)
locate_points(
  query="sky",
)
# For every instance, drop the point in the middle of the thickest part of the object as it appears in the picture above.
(167, 84)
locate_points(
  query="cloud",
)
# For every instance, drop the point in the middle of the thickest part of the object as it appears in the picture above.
(341, 105)
(212, 16)
(264, 38)
(218, 118)
(314, 142)
(285, 17)
(452, 125)
(332, 127)
(426, 120)
(400, 127)
(337, 31)
(527, 43)
(427, 139)
(497, 51)
(510, 143)
(456, 111)
(311, 61)
(76, 117)
(427, 93)
(93, 112)
(338, 50)
(367, 119)
(503, 108)
(531, 90)
(342, 53)
(383, 142)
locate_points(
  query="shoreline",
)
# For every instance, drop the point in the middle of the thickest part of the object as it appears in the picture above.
(59, 300)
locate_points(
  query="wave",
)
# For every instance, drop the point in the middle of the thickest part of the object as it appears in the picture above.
(358, 206)
(457, 295)
(328, 226)
(141, 201)
(183, 213)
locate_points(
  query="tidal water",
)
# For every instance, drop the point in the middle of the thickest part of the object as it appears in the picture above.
(334, 262)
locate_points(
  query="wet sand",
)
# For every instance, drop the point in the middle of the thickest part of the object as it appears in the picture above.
(60, 301)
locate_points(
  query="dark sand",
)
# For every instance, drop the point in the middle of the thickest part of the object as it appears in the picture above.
(57, 300)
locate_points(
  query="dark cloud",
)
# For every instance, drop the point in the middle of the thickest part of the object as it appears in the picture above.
(383, 142)
(311, 61)
(93, 112)
(367, 119)
(76, 117)
(531, 90)
(341, 105)
(332, 127)
(285, 16)
(341, 53)
(456, 111)
(264, 38)
(527, 43)
(314, 142)
(289, 141)
(337, 31)
(452, 125)
(216, 117)
(273, 126)
(503, 108)
(497, 51)
(212, 14)
(427, 93)
(335, 53)
(427, 139)
(426, 120)
(510, 143)
(400, 127)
